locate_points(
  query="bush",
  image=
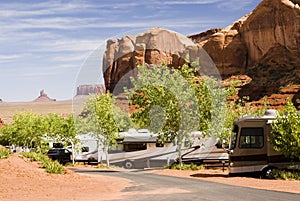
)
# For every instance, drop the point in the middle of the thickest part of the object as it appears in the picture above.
(286, 135)
(192, 166)
(52, 167)
(286, 174)
(4, 153)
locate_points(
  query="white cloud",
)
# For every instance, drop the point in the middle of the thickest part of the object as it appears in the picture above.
(4, 58)
(191, 2)
(234, 4)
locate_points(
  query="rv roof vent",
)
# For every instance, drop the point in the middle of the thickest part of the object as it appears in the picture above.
(272, 113)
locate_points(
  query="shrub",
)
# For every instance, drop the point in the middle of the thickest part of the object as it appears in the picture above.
(286, 135)
(4, 153)
(192, 166)
(286, 174)
(52, 167)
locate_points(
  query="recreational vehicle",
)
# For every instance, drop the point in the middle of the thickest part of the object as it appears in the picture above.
(134, 149)
(205, 150)
(250, 149)
(140, 149)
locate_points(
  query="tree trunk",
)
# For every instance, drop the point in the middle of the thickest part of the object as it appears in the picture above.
(73, 152)
(106, 154)
(179, 154)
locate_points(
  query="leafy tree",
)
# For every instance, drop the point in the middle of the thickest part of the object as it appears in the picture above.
(174, 102)
(26, 130)
(105, 118)
(62, 130)
(286, 135)
(34, 131)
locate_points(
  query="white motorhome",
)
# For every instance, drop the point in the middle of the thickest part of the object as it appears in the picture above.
(88, 151)
(250, 149)
(205, 150)
(140, 149)
(134, 149)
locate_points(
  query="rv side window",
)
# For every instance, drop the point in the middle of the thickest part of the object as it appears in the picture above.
(135, 147)
(116, 148)
(251, 138)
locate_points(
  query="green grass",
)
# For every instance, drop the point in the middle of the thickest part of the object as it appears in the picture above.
(51, 167)
(185, 167)
(4, 153)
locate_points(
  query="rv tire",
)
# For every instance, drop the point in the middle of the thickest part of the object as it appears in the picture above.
(268, 172)
(128, 164)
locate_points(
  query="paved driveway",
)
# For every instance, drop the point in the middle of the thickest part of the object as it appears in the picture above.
(147, 186)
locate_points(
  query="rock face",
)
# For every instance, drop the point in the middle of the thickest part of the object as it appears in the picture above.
(264, 45)
(84, 90)
(43, 97)
(155, 46)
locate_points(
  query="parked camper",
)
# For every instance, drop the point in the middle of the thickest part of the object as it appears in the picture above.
(140, 149)
(88, 151)
(250, 149)
(205, 150)
(134, 149)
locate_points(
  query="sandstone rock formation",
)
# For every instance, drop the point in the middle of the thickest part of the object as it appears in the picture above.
(273, 23)
(263, 45)
(155, 46)
(84, 90)
(43, 97)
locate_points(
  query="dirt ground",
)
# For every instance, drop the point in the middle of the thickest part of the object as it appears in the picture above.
(24, 180)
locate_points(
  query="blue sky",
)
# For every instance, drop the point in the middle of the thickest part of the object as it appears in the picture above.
(45, 44)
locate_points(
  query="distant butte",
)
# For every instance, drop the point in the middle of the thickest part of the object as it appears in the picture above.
(43, 97)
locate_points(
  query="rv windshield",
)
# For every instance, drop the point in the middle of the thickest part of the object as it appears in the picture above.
(233, 137)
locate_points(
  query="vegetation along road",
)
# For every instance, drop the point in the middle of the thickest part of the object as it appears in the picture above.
(147, 186)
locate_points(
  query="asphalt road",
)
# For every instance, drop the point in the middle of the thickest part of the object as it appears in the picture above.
(146, 186)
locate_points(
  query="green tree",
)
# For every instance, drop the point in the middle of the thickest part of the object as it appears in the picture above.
(27, 130)
(174, 102)
(104, 112)
(286, 135)
(102, 120)
(62, 130)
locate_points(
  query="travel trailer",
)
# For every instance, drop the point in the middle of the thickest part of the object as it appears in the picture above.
(250, 149)
(140, 149)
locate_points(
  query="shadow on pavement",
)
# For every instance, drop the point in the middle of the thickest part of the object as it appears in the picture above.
(209, 175)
